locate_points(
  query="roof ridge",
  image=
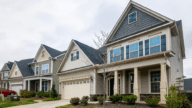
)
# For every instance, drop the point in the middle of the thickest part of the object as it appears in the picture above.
(51, 47)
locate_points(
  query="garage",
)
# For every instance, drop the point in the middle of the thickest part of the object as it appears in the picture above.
(16, 88)
(77, 88)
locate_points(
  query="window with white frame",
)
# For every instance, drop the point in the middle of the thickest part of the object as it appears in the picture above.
(155, 81)
(117, 54)
(155, 45)
(131, 82)
(44, 86)
(75, 55)
(134, 50)
(16, 71)
(37, 70)
(43, 53)
(45, 69)
(132, 17)
(5, 75)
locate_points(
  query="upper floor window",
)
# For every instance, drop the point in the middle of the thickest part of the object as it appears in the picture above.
(155, 45)
(43, 53)
(134, 50)
(132, 17)
(15, 71)
(37, 70)
(5, 75)
(75, 56)
(117, 54)
(45, 69)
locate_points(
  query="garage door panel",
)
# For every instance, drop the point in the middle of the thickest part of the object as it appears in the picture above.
(16, 88)
(76, 89)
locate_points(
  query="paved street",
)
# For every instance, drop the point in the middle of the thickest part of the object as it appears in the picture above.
(48, 104)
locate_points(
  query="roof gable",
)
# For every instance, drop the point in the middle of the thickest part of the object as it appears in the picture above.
(146, 20)
(9, 65)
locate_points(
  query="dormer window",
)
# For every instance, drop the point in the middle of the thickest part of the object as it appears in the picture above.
(15, 71)
(75, 56)
(43, 54)
(132, 17)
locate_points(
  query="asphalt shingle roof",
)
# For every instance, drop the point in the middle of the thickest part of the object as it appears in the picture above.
(25, 69)
(93, 54)
(9, 64)
(178, 23)
(53, 52)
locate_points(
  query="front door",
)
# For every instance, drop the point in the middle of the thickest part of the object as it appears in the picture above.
(111, 86)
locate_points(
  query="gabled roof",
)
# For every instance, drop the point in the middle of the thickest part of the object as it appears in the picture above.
(93, 54)
(24, 68)
(164, 21)
(53, 52)
(9, 65)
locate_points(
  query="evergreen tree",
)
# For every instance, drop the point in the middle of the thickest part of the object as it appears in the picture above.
(54, 93)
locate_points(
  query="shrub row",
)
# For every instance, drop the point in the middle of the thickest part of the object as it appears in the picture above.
(76, 100)
(27, 94)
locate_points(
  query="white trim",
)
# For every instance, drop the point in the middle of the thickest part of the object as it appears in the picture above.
(40, 61)
(130, 14)
(51, 66)
(16, 83)
(149, 77)
(45, 70)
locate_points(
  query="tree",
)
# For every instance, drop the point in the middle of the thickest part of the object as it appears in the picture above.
(54, 93)
(100, 40)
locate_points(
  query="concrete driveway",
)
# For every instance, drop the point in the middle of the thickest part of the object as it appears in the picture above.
(47, 104)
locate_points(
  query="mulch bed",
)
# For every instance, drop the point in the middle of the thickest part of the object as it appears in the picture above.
(117, 105)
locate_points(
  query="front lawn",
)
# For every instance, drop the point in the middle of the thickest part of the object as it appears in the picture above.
(51, 99)
(23, 101)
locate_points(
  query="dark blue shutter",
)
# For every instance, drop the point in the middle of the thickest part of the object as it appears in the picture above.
(163, 43)
(77, 54)
(147, 47)
(72, 57)
(111, 56)
(122, 53)
(141, 48)
(127, 52)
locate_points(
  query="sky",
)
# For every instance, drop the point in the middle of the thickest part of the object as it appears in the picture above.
(26, 24)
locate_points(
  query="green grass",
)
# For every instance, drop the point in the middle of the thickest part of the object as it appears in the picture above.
(23, 101)
(51, 99)
(70, 106)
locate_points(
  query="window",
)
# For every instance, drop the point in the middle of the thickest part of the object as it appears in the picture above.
(45, 86)
(155, 45)
(132, 17)
(75, 56)
(155, 81)
(45, 69)
(77, 82)
(15, 71)
(87, 81)
(134, 50)
(37, 70)
(73, 83)
(5, 75)
(132, 81)
(80, 82)
(43, 54)
(117, 54)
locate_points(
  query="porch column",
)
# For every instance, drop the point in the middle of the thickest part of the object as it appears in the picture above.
(24, 87)
(116, 83)
(5, 85)
(124, 81)
(136, 88)
(163, 83)
(28, 85)
(51, 84)
(40, 88)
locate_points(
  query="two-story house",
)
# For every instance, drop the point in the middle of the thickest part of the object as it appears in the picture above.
(4, 75)
(39, 73)
(144, 55)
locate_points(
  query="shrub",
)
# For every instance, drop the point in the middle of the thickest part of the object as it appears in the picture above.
(152, 102)
(74, 101)
(47, 94)
(33, 94)
(85, 97)
(130, 99)
(54, 93)
(175, 100)
(84, 101)
(40, 94)
(115, 98)
(94, 97)
(100, 99)
(26, 94)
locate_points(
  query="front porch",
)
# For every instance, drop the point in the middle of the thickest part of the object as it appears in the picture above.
(150, 81)
(38, 84)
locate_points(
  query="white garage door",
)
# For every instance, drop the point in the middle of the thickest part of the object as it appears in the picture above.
(76, 89)
(17, 88)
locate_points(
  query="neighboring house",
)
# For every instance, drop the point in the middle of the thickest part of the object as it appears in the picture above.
(144, 52)
(37, 74)
(4, 75)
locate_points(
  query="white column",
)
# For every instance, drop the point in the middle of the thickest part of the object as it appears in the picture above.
(51, 84)
(136, 88)
(116, 88)
(6, 86)
(124, 81)
(163, 83)
(28, 85)
(40, 88)
(24, 86)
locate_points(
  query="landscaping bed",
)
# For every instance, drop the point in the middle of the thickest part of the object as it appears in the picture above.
(111, 105)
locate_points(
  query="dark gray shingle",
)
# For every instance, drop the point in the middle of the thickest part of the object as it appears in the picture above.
(53, 52)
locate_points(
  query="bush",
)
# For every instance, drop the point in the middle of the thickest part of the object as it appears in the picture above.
(94, 97)
(54, 93)
(47, 94)
(152, 102)
(84, 101)
(175, 100)
(115, 98)
(26, 94)
(130, 99)
(100, 99)
(74, 101)
(85, 97)
(33, 94)
(40, 94)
